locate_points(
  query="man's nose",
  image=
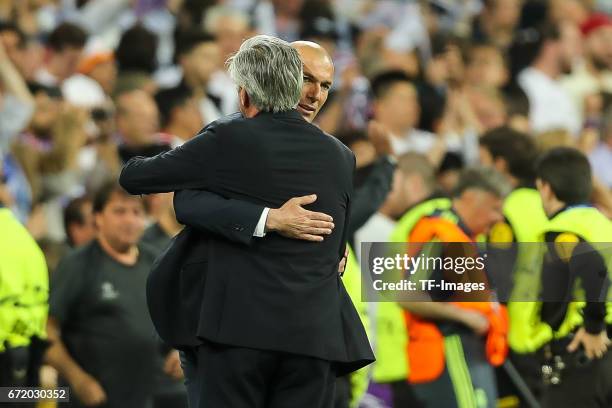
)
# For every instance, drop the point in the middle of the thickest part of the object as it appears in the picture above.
(314, 92)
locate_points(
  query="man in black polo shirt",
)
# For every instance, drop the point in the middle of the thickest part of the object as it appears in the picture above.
(103, 342)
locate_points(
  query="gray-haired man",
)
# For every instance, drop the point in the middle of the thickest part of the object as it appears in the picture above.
(266, 323)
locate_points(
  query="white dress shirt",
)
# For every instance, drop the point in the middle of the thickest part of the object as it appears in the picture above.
(551, 107)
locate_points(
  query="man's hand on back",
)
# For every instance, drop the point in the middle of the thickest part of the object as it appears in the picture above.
(293, 221)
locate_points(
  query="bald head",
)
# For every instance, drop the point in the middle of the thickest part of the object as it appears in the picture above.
(318, 77)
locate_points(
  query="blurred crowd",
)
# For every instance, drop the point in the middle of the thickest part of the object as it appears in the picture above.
(85, 85)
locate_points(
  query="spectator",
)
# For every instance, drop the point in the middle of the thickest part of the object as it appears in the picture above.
(593, 74)
(199, 57)
(94, 83)
(487, 105)
(396, 108)
(64, 46)
(497, 22)
(79, 222)
(546, 59)
(165, 225)
(136, 60)
(137, 125)
(414, 181)
(102, 341)
(517, 108)
(280, 18)
(24, 52)
(230, 27)
(51, 142)
(601, 156)
(169, 392)
(16, 102)
(486, 67)
(179, 113)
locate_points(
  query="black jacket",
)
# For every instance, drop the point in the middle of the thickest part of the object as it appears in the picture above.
(273, 293)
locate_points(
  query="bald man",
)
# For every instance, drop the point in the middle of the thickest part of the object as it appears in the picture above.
(243, 222)
(250, 221)
(318, 78)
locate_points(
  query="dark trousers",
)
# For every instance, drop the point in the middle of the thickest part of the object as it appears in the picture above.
(584, 385)
(234, 377)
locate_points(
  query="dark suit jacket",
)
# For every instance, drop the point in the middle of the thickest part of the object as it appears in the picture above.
(274, 293)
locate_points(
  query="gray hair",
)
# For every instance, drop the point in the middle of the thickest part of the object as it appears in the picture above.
(484, 179)
(270, 71)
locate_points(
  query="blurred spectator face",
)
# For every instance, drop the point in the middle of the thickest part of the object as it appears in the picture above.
(571, 45)
(318, 78)
(121, 222)
(189, 116)
(576, 11)
(12, 43)
(599, 47)
(448, 179)
(488, 108)
(481, 209)
(46, 112)
(137, 118)
(25, 55)
(398, 109)
(105, 74)
(290, 8)
(230, 31)
(486, 67)
(504, 14)
(203, 60)
(66, 61)
(82, 229)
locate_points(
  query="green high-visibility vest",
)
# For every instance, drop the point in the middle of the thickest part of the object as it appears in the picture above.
(595, 228)
(352, 282)
(391, 336)
(24, 284)
(591, 225)
(524, 211)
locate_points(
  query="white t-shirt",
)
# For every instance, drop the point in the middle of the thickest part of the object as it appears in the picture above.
(550, 106)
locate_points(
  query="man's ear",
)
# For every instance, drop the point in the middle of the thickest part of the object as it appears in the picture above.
(544, 188)
(245, 100)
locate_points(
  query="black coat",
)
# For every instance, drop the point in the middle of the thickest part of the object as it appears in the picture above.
(272, 293)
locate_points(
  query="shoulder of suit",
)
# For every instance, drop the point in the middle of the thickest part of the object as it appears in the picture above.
(227, 120)
(338, 144)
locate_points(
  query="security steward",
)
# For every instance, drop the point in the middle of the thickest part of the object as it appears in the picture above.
(391, 335)
(24, 287)
(512, 251)
(575, 286)
(450, 347)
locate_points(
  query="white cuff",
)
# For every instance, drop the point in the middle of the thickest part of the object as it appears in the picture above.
(260, 229)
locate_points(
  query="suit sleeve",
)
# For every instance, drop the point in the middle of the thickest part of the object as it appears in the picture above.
(368, 198)
(349, 203)
(190, 166)
(232, 219)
